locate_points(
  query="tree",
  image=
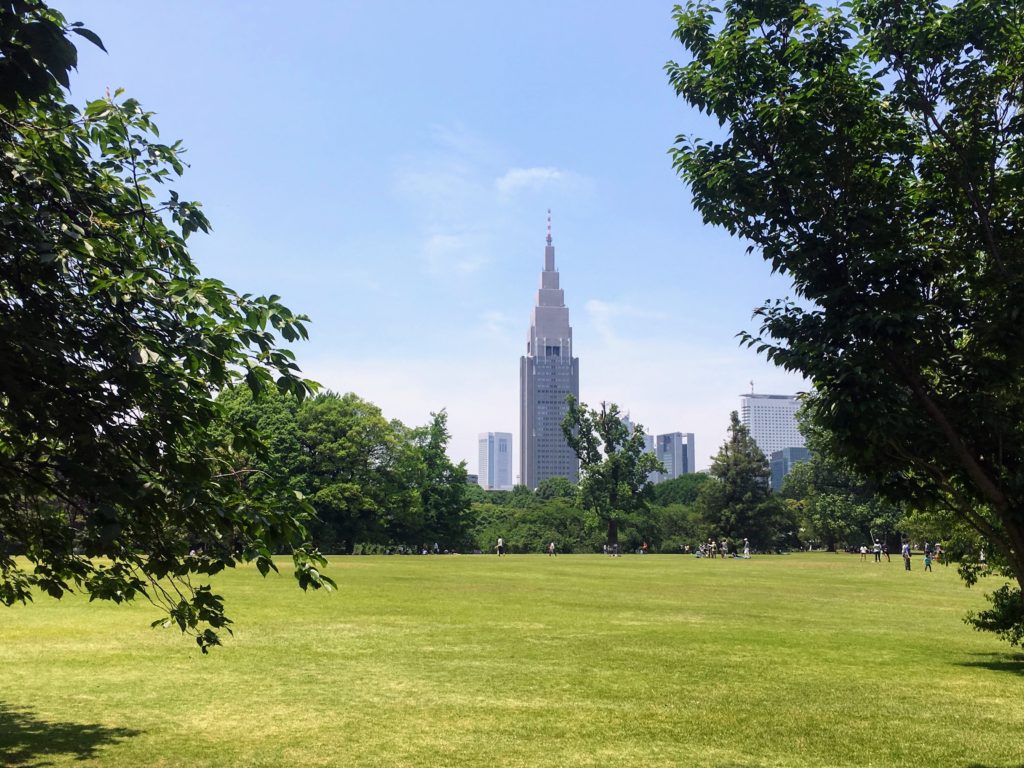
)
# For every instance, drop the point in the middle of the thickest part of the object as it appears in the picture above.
(555, 488)
(740, 504)
(358, 471)
(874, 153)
(837, 505)
(614, 464)
(116, 460)
(680, 490)
(520, 497)
(675, 527)
(370, 480)
(443, 490)
(832, 515)
(274, 416)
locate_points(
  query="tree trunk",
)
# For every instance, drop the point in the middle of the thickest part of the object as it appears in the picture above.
(613, 533)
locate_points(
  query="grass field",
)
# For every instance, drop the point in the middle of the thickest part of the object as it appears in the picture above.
(797, 660)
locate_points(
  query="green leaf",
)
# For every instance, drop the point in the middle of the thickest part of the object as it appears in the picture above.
(91, 36)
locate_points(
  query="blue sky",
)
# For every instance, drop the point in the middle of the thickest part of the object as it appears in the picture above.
(387, 168)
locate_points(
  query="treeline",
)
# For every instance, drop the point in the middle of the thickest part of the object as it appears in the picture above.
(378, 485)
(528, 520)
(370, 481)
(616, 505)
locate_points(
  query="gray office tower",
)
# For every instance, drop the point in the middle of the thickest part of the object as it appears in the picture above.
(676, 451)
(548, 373)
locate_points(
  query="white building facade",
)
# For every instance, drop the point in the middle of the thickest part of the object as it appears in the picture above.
(495, 461)
(771, 420)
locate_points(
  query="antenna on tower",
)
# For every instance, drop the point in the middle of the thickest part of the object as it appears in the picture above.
(751, 386)
(549, 227)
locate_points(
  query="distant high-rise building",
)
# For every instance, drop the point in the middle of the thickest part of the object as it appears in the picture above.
(631, 427)
(783, 461)
(676, 451)
(771, 420)
(495, 468)
(548, 373)
(652, 477)
(648, 444)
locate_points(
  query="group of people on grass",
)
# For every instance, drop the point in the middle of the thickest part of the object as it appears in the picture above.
(880, 549)
(414, 549)
(932, 552)
(714, 549)
(711, 549)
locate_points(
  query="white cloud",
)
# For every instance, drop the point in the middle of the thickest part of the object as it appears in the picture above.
(461, 142)
(440, 192)
(461, 202)
(449, 198)
(498, 324)
(516, 179)
(458, 253)
(611, 318)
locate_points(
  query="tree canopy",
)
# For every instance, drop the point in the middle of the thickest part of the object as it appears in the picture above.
(614, 465)
(739, 504)
(556, 488)
(372, 482)
(837, 506)
(680, 490)
(873, 152)
(117, 465)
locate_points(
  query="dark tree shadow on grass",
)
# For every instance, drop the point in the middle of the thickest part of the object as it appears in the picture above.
(998, 662)
(28, 741)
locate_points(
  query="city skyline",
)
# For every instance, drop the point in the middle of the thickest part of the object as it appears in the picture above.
(400, 207)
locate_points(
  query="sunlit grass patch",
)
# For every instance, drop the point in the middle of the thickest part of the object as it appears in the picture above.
(802, 660)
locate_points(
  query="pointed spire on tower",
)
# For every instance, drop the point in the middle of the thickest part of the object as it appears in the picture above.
(549, 227)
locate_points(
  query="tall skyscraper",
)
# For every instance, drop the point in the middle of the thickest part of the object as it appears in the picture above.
(495, 468)
(548, 373)
(771, 420)
(676, 451)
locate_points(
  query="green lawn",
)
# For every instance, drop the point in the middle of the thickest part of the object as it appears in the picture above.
(799, 660)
